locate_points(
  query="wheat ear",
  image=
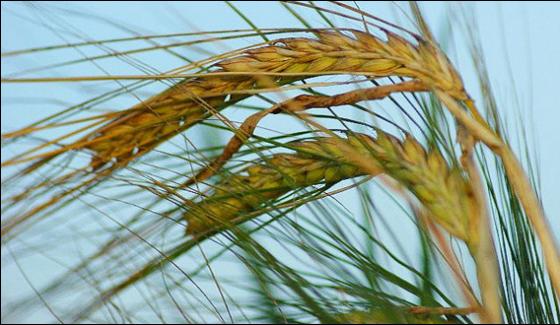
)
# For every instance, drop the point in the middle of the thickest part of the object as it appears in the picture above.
(176, 109)
(314, 162)
(179, 107)
(443, 190)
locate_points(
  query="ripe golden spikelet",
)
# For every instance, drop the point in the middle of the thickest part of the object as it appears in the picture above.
(162, 117)
(443, 190)
(143, 127)
(314, 162)
(362, 53)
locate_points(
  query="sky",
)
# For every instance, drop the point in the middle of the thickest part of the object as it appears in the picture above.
(519, 40)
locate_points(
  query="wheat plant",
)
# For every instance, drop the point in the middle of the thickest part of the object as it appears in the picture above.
(183, 205)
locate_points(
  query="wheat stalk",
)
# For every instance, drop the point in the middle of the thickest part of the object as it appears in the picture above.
(521, 185)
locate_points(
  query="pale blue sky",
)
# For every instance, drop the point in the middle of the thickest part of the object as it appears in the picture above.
(527, 32)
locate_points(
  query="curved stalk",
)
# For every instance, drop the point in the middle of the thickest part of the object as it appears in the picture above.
(519, 182)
